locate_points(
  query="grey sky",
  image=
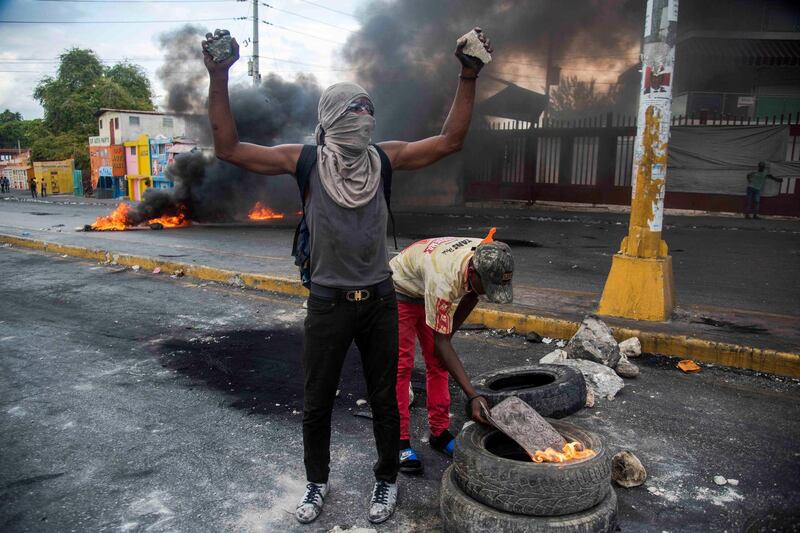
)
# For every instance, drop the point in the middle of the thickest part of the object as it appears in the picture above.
(30, 51)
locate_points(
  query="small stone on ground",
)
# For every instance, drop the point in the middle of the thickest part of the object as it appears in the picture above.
(625, 368)
(719, 480)
(631, 347)
(627, 470)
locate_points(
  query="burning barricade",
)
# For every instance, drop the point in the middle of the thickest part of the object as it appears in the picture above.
(125, 217)
(510, 476)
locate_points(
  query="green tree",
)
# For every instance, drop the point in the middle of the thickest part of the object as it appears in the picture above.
(574, 98)
(9, 116)
(14, 129)
(82, 85)
(134, 80)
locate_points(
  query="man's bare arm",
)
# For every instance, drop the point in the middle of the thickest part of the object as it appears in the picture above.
(419, 154)
(281, 159)
(465, 307)
(444, 350)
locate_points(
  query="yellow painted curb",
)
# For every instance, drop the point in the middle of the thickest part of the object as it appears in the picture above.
(748, 357)
(735, 355)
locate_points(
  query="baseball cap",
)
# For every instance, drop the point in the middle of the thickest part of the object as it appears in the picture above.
(495, 265)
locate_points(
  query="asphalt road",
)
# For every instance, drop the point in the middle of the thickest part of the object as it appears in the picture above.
(133, 401)
(718, 262)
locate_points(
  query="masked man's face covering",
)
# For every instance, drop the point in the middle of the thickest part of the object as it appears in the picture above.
(349, 167)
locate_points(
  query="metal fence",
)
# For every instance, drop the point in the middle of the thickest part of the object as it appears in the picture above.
(585, 161)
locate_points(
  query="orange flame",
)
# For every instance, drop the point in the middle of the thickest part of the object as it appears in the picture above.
(120, 219)
(177, 221)
(116, 221)
(572, 451)
(259, 212)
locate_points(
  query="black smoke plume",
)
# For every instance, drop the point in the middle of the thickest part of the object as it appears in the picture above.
(276, 112)
(403, 55)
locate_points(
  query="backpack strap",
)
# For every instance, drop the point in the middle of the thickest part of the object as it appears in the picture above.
(305, 164)
(386, 178)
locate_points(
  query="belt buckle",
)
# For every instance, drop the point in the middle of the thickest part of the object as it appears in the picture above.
(357, 295)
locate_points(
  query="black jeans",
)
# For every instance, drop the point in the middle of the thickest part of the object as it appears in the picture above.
(331, 326)
(752, 202)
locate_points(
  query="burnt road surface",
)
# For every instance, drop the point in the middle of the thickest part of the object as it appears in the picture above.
(719, 262)
(133, 401)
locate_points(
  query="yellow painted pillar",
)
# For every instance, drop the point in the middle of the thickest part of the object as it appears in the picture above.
(640, 283)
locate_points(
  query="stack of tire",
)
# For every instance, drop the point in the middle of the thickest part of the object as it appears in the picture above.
(493, 485)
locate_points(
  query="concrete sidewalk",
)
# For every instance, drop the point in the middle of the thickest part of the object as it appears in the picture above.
(257, 256)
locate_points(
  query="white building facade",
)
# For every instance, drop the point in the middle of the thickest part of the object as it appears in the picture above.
(121, 125)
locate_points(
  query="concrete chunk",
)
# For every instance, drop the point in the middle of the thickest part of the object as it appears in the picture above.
(474, 47)
(594, 342)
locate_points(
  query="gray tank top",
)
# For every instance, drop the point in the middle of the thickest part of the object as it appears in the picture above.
(348, 246)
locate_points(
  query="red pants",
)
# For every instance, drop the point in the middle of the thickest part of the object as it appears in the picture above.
(412, 326)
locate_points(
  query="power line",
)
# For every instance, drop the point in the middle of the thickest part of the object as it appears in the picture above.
(113, 21)
(329, 8)
(135, 1)
(301, 32)
(305, 17)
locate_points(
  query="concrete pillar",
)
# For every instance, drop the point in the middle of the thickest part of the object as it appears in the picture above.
(640, 283)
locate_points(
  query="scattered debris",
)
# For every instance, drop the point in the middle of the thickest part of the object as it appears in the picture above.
(361, 402)
(178, 274)
(339, 529)
(733, 482)
(561, 343)
(338, 391)
(236, 281)
(136, 268)
(594, 342)
(625, 368)
(157, 270)
(552, 357)
(627, 470)
(631, 347)
(533, 337)
(719, 480)
(687, 365)
(547, 340)
(603, 380)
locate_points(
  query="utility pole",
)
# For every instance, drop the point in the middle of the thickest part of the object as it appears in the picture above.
(256, 73)
(640, 283)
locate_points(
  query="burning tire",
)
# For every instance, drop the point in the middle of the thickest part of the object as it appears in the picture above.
(494, 470)
(462, 514)
(555, 391)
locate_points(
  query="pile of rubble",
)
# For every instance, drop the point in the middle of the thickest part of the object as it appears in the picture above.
(597, 355)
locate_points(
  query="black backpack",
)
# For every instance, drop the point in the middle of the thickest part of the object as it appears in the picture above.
(301, 250)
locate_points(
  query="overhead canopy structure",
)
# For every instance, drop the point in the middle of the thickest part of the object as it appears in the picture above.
(514, 102)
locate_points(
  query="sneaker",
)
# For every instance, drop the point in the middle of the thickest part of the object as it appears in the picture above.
(383, 502)
(409, 462)
(310, 505)
(445, 443)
